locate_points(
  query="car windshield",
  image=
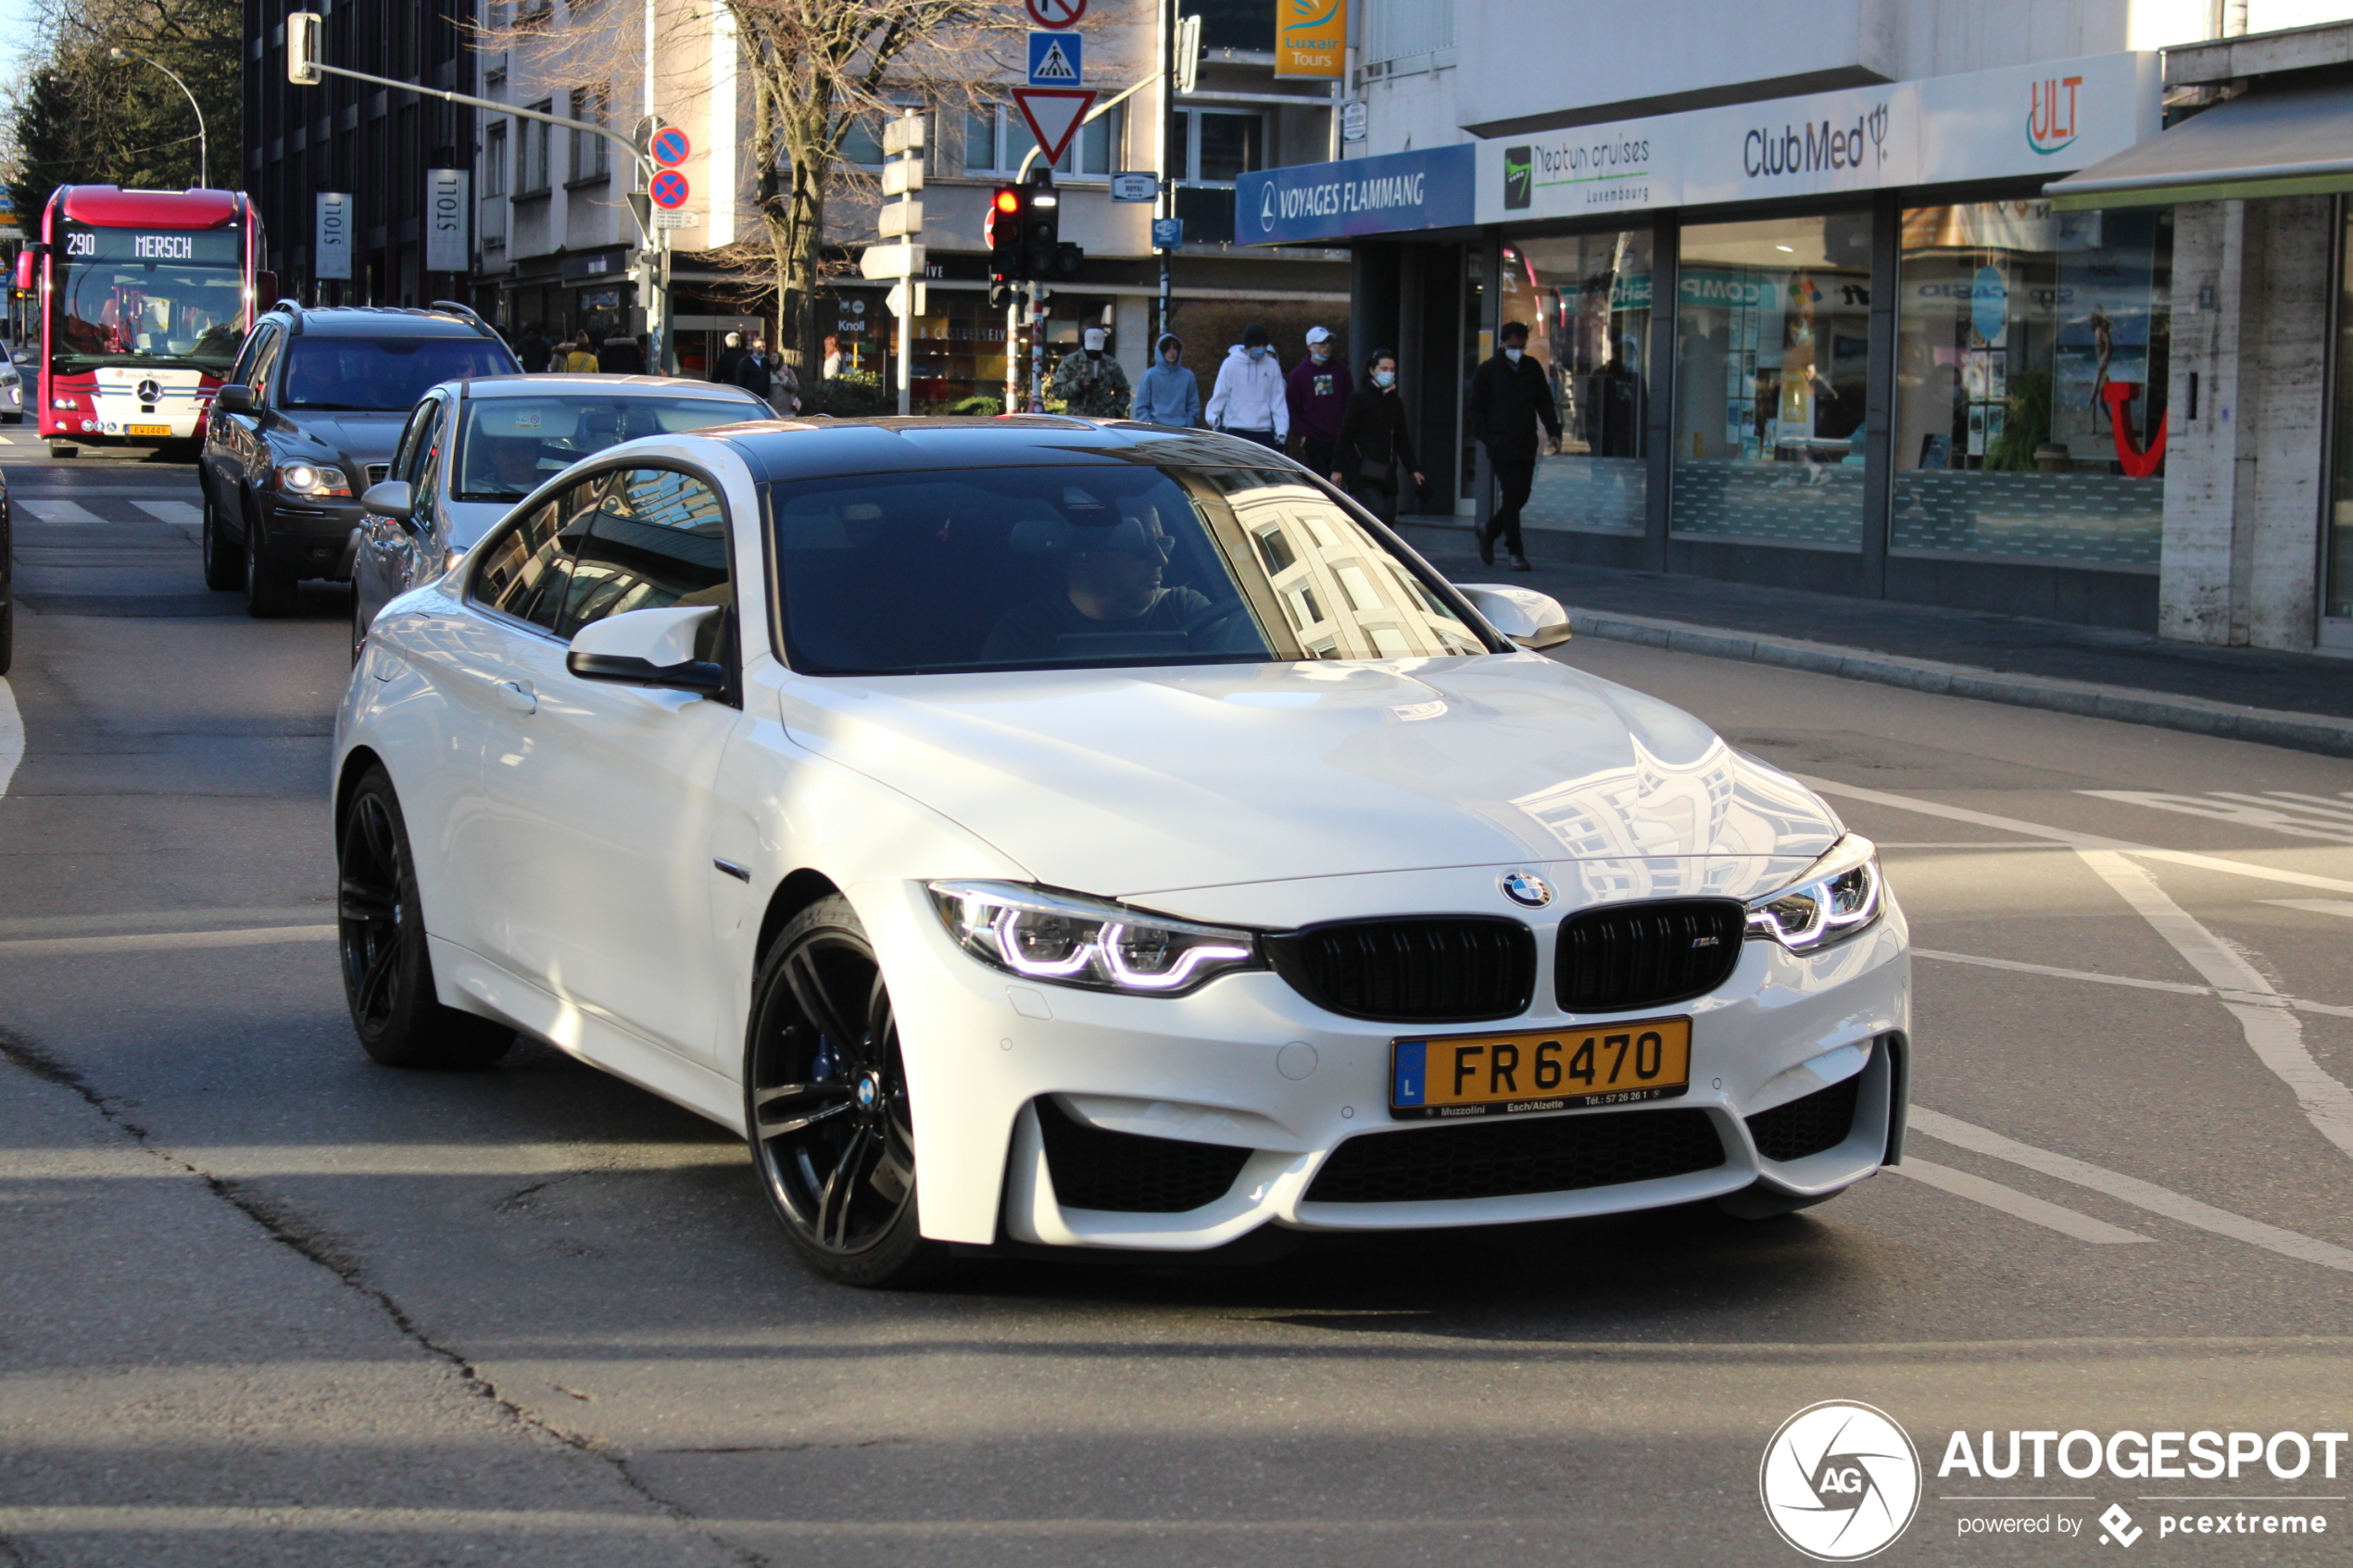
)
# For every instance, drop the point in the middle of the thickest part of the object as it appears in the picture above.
(508, 444)
(383, 374)
(1091, 567)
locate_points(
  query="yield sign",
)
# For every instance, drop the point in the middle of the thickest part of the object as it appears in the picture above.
(1053, 114)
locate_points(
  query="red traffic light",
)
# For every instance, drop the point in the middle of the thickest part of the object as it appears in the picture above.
(1008, 200)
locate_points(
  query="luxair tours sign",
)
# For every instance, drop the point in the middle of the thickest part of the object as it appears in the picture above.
(2032, 121)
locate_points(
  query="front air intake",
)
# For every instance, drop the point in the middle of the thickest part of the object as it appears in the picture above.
(1508, 1159)
(1621, 957)
(1431, 969)
(1129, 1174)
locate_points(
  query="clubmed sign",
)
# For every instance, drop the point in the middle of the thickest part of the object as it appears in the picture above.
(2031, 120)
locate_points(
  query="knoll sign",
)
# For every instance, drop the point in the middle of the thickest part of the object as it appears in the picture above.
(1986, 125)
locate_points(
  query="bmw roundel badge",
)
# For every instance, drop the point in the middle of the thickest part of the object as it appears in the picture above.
(1525, 888)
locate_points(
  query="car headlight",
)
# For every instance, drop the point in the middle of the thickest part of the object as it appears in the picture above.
(312, 479)
(1840, 896)
(1066, 940)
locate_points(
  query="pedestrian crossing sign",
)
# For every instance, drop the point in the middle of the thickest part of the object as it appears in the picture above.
(1057, 59)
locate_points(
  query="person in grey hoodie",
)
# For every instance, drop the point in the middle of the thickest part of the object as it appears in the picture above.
(1249, 401)
(1170, 395)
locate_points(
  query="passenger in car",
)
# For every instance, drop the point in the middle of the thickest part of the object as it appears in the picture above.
(1113, 587)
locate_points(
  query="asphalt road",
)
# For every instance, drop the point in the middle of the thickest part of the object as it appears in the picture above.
(263, 1302)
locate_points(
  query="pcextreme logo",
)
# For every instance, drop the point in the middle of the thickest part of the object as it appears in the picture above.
(1840, 1481)
(2050, 114)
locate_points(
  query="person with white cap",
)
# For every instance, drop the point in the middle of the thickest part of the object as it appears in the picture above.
(1317, 391)
(1249, 400)
(1089, 382)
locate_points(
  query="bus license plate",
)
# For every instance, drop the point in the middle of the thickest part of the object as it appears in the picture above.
(1547, 1070)
(147, 429)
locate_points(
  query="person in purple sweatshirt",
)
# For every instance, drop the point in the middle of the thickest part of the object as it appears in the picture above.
(1317, 392)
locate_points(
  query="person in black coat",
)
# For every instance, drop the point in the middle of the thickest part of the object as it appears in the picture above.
(532, 350)
(751, 371)
(1509, 395)
(1373, 450)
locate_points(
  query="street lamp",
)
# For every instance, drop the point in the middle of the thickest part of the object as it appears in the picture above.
(203, 148)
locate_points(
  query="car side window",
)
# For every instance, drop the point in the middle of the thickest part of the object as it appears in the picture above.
(404, 457)
(659, 540)
(265, 367)
(527, 565)
(424, 472)
(241, 372)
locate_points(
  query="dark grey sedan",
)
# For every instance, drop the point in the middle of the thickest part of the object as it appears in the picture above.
(472, 448)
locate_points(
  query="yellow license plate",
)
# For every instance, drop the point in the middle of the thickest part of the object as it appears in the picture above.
(146, 430)
(1549, 1069)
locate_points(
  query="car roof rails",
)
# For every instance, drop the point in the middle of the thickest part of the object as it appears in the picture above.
(293, 308)
(457, 308)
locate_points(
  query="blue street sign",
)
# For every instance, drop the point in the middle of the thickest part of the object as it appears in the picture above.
(1167, 233)
(1391, 194)
(1057, 59)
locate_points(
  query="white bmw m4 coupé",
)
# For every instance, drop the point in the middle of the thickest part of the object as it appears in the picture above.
(1093, 835)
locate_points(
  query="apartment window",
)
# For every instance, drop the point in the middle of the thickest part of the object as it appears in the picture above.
(591, 154)
(997, 139)
(1217, 146)
(532, 178)
(493, 160)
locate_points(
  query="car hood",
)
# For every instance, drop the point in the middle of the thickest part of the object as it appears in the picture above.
(362, 437)
(1129, 783)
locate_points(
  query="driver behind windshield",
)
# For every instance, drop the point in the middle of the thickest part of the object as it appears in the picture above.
(1111, 585)
(513, 466)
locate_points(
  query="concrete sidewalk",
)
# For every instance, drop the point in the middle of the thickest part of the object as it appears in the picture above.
(2303, 701)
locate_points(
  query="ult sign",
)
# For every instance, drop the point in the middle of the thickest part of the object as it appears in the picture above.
(1361, 196)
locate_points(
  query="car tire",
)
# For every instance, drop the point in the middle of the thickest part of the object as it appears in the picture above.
(380, 941)
(825, 1105)
(269, 589)
(60, 451)
(7, 628)
(224, 569)
(12, 418)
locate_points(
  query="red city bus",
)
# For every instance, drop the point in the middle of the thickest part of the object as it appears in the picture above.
(144, 297)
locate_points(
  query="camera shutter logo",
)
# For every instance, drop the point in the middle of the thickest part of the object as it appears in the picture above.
(1840, 1481)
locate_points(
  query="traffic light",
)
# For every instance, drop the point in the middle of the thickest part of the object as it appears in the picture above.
(1004, 230)
(1041, 226)
(302, 48)
(1067, 261)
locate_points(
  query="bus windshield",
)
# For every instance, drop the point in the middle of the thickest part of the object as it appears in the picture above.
(143, 298)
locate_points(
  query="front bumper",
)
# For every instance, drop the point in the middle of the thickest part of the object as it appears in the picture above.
(312, 538)
(1247, 1064)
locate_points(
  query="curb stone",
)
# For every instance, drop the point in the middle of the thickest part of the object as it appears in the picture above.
(2300, 732)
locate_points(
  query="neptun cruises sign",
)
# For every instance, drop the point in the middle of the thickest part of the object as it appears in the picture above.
(2044, 120)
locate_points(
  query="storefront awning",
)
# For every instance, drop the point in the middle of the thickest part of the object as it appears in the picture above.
(2287, 143)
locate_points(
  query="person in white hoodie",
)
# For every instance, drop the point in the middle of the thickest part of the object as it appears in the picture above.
(1249, 401)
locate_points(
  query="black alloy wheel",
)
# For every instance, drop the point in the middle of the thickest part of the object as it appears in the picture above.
(380, 938)
(269, 590)
(826, 1101)
(224, 569)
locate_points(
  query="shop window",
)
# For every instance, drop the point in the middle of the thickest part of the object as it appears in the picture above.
(1772, 341)
(2339, 606)
(2030, 383)
(1586, 301)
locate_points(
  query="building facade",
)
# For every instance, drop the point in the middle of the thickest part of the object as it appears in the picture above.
(1819, 309)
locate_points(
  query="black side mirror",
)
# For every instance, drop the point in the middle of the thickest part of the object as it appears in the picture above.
(698, 676)
(234, 399)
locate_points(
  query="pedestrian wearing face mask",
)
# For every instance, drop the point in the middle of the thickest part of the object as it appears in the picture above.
(1170, 394)
(1090, 382)
(1509, 396)
(1373, 451)
(1317, 392)
(1249, 399)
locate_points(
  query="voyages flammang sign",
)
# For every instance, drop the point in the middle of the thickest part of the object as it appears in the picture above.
(1311, 39)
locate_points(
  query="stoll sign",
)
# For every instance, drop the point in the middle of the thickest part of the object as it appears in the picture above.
(1358, 195)
(2030, 120)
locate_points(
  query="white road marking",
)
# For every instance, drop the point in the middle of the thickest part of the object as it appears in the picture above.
(2019, 1205)
(2182, 987)
(171, 511)
(2072, 838)
(159, 941)
(57, 511)
(2270, 1028)
(2131, 1189)
(2246, 810)
(11, 735)
(2316, 906)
